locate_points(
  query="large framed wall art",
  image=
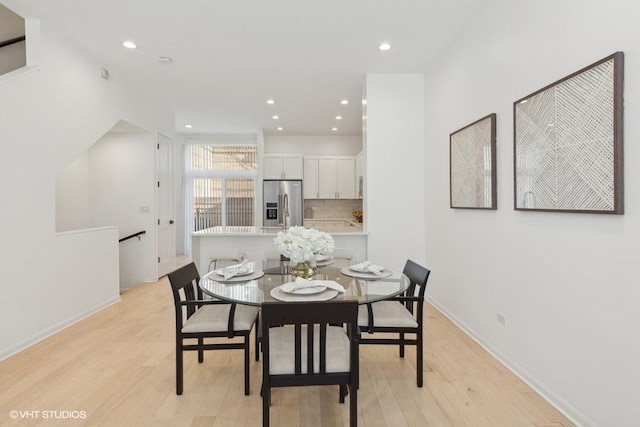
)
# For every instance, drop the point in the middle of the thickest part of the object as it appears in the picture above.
(568, 142)
(472, 165)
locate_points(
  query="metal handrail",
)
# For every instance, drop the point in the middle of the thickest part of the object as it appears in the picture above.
(138, 234)
(12, 41)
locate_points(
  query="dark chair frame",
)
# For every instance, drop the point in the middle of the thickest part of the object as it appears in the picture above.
(187, 279)
(414, 303)
(324, 314)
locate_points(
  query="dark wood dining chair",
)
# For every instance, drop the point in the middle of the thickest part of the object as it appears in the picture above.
(198, 318)
(301, 348)
(399, 315)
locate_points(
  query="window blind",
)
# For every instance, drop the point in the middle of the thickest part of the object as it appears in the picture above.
(220, 182)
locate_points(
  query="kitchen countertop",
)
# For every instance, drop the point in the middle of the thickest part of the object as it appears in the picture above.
(267, 231)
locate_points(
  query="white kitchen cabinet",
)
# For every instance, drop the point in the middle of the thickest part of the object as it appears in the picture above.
(327, 178)
(310, 180)
(330, 177)
(282, 166)
(345, 177)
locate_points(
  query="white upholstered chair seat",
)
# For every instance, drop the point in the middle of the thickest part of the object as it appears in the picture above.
(387, 314)
(215, 318)
(282, 355)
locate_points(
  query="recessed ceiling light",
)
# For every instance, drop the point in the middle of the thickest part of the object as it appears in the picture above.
(279, 128)
(165, 60)
(344, 102)
(550, 125)
(275, 117)
(270, 101)
(364, 102)
(188, 126)
(338, 117)
(129, 44)
(334, 129)
(384, 46)
(524, 101)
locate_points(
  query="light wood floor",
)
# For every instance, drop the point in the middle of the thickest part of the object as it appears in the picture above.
(118, 367)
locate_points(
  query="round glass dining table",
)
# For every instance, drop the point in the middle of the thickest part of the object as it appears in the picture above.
(257, 291)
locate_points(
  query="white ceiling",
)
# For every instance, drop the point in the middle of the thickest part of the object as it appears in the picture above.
(230, 56)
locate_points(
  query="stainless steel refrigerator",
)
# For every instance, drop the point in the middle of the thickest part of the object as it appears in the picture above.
(282, 203)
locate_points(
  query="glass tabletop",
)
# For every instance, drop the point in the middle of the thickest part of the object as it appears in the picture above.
(255, 292)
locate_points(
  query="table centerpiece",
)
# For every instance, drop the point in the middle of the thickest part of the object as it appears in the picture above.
(302, 246)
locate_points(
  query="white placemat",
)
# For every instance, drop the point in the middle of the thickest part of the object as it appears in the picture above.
(349, 272)
(325, 295)
(247, 277)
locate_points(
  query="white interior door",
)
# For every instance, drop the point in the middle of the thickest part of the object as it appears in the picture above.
(166, 247)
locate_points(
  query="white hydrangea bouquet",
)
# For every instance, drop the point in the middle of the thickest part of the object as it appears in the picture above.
(301, 244)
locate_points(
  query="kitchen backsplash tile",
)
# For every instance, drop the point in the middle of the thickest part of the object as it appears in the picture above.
(330, 208)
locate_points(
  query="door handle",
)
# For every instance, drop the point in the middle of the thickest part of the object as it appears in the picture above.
(171, 221)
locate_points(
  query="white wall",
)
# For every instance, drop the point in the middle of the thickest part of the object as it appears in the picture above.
(48, 118)
(313, 145)
(567, 283)
(122, 181)
(73, 196)
(108, 186)
(394, 185)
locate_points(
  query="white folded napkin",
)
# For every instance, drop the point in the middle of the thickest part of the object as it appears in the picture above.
(302, 283)
(234, 270)
(368, 267)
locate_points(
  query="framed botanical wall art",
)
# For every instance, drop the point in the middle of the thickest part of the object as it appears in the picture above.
(472, 165)
(568, 143)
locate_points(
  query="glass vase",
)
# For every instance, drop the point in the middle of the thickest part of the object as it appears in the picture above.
(304, 269)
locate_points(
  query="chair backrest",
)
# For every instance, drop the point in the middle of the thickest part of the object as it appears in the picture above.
(418, 276)
(311, 314)
(184, 283)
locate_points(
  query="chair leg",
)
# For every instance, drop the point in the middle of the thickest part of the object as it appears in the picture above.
(257, 341)
(266, 401)
(246, 364)
(353, 405)
(200, 350)
(179, 356)
(401, 344)
(343, 392)
(419, 358)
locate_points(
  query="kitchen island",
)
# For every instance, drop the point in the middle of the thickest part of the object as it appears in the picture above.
(255, 241)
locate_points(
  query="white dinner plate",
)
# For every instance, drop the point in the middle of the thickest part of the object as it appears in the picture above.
(279, 294)
(306, 291)
(244, 273)
(364, 270)
(347, 271)
(323, 258)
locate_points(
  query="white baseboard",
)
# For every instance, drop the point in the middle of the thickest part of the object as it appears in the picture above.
(574, 415)
(6, 353)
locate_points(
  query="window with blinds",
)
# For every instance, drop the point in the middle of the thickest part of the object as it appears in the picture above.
(220, 182)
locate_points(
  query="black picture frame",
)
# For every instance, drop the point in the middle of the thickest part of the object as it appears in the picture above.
(472, 165)
(568, 142)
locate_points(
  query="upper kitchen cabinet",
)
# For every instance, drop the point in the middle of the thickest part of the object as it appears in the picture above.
(329, 177)
(345, 177)
(310, 180)
(282, 166)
